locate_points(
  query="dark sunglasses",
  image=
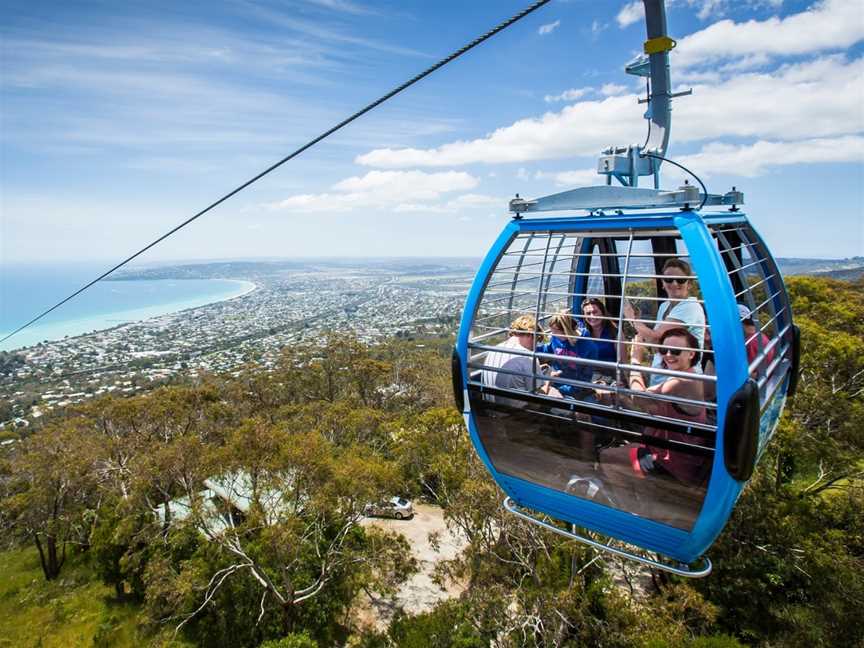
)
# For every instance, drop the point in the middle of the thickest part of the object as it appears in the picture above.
(678, 280)
(664, 350)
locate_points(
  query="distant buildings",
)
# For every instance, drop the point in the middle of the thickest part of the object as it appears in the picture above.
(373, 301)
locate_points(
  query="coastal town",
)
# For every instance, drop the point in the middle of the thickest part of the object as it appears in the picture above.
(291, 304)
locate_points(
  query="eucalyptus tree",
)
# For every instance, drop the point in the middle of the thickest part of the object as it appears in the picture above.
(50, 492)
(282, 518)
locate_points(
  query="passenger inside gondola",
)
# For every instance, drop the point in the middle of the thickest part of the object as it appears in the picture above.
(508, 368)
(596, 324)
(680, 308)
(753, 339)
(609, 433)
(709, 369)
(565, 342)
(668, 469)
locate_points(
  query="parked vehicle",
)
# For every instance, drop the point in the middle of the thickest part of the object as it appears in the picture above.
(396, 507)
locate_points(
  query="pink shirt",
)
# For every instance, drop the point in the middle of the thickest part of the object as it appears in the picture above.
(753, 349)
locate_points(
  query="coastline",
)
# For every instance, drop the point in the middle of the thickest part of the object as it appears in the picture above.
(59, 331)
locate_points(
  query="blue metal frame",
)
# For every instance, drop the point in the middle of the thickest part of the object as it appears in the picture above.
(731, 369)
(772, 410)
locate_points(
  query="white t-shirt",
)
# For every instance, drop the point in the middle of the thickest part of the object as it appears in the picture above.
(522, 365)
(690, 313)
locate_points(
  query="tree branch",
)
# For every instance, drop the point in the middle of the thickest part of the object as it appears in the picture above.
(211, 590)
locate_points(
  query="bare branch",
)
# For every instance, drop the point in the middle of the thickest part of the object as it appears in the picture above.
(816, 488)
(318, 588)
(211, 590)
(261, 615)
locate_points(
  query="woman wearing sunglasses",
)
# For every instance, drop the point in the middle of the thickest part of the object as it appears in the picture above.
(680, 308)
(680, 352)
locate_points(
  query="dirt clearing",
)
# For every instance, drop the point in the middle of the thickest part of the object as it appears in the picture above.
(419, 593)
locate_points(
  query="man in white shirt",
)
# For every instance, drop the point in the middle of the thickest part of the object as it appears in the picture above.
(522, 332)
(508, 370)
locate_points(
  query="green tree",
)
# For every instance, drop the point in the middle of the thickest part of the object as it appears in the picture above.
(446, 626)
(120, 545)
(291, 553)
(788, 568)
(52, 492)
(294, 640)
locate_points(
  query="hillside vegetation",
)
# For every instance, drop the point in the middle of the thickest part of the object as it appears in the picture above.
(228, 513)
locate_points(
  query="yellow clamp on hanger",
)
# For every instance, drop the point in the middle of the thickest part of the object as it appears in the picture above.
(659, 44)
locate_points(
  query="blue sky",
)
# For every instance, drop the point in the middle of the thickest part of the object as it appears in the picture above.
(120, 120)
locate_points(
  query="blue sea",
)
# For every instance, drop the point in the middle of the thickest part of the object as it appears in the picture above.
(27, 290)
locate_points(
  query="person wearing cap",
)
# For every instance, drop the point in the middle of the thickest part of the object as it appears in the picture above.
(754, 340)
(507, 368)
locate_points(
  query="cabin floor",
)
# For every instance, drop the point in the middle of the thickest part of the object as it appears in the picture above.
(562, 455)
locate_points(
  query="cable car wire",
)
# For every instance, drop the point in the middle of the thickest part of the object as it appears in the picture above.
(462, 50)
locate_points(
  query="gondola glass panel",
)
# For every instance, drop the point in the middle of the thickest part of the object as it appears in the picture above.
(566, 431)
(540, 439)
(770, 336)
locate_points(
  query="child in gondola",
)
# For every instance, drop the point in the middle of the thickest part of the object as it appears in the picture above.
(565, 342)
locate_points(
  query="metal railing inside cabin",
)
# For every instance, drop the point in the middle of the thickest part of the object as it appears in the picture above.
(543, 274)
(759, 288)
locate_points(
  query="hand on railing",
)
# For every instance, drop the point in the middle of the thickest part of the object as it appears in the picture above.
(603, 397)
(630, 311)
(548, 390)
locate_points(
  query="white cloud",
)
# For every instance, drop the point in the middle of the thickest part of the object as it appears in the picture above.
(755, 159)
(820, 98)
(611, 89)
(460, 203)
(749, 160)
(577, 178)
(475, 200)
(548, 28)
(579, 129)
(286, 18)
(568, 95)
(689, 75)
(630, 13)
(708, 8)
(827, 25)
(419, 208)
(342, 6)
(405, 190)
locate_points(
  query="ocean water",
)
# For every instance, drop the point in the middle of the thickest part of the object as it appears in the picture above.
(27, 290)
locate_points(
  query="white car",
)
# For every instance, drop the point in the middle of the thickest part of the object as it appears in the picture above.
(396, 507)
